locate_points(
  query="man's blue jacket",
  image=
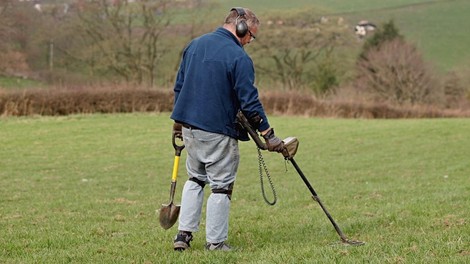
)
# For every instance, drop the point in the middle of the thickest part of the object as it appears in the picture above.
(215, 80)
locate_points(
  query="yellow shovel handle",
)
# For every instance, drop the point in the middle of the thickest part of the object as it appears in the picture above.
(175, 169)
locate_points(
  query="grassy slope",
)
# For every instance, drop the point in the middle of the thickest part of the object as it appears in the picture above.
(84, 189)
(438, 27)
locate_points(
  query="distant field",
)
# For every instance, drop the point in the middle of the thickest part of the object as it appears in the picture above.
(438, 27)
(18, 83)
(332, 5)
(85, 189)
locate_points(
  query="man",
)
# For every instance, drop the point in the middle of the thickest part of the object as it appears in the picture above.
(215, 80)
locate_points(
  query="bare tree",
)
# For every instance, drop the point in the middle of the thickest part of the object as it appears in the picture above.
(17, 22)
(123, 38)
(5, 24)
(395, 72)
(294, 51)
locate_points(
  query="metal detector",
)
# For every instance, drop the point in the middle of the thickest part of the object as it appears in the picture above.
(291, 144)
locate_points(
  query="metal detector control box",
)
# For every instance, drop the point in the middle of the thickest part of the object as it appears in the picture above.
(290, 144)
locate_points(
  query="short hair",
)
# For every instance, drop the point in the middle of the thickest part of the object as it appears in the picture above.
(250, 18)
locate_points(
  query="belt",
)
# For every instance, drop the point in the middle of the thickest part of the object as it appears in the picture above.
(190, 126)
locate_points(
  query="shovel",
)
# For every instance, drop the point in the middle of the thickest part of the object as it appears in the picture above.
(169, 212)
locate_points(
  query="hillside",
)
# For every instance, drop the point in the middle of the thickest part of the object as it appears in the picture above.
(436, 26)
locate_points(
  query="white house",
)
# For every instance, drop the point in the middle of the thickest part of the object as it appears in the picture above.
(363, 27)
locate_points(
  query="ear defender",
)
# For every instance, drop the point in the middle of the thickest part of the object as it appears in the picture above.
(241, 28)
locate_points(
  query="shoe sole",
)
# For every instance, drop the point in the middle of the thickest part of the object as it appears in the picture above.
(222, 248)
(180, 246)
(219, 249)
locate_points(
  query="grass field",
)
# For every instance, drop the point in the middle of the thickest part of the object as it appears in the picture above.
(85, 189)
(18, 83)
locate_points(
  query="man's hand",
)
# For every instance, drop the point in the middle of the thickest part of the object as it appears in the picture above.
(273, 143)
(177, 127)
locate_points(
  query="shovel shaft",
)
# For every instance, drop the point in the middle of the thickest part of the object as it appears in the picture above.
(172, 191)
(174, 176)
(175, 169)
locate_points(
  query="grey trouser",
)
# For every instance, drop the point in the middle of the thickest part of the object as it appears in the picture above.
(212, 158)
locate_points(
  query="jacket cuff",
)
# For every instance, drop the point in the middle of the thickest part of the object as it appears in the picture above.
(263, 126)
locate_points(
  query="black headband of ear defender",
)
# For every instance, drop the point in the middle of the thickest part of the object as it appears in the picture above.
(240, 11)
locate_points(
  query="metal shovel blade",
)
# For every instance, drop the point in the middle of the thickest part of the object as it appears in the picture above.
(168, 215)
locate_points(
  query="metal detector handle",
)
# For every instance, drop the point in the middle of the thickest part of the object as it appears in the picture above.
(178, 148)
(246, 125)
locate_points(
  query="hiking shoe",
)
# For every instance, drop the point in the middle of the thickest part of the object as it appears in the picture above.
(222, 246)
(182, 240)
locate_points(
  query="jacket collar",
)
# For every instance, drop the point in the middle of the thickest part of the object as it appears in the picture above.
(225, 33)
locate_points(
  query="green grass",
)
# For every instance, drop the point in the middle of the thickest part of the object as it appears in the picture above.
(336, 5)
(437, 28)
(85, 189)
(15, 83)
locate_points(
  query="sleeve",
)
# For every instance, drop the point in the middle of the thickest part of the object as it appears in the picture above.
(247, 92)
(179, 78)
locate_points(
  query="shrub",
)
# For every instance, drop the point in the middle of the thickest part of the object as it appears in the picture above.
(395, 72)
(387, 32)
(454, 91)
(84, 101)
(110, 99)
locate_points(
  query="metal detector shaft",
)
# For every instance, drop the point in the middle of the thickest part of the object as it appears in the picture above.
(316, 198)
(289, 151)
